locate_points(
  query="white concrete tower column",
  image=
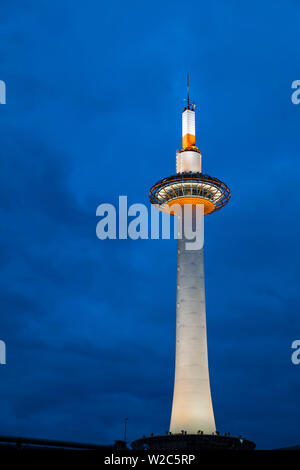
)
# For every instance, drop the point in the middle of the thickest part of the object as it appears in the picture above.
(192, 409)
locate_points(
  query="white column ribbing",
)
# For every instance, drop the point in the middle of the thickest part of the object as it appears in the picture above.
(192, 409)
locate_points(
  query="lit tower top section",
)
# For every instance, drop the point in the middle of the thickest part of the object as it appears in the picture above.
(189, 157)
(189, 185)
(192, 409)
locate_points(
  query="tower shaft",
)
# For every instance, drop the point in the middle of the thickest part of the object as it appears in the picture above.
(192, 409)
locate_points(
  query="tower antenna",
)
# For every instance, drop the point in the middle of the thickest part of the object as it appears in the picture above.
(188, 91)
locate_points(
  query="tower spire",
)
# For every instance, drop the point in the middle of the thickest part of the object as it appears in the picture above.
(188, 123)
(188, 91)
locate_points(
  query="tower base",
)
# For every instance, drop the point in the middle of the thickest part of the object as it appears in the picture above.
(192, 442)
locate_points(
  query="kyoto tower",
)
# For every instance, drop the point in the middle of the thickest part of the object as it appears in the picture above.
(192, 410)
(192, 424)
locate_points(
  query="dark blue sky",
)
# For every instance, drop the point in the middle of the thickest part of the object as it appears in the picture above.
(94, 96)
